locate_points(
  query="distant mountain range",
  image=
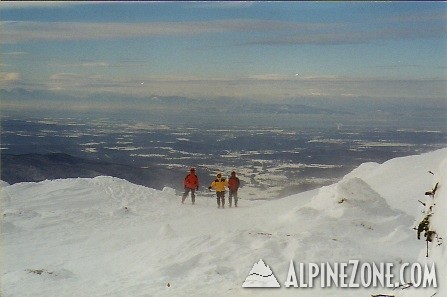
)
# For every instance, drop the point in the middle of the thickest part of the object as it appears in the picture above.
(159, 103)
(39, 167)
(21, 100)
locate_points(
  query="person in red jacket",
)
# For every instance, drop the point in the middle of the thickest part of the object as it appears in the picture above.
(191, 184)
(233, 186)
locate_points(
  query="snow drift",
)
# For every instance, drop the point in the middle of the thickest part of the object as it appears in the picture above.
(107, 237)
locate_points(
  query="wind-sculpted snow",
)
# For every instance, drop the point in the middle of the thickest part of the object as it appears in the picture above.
(105, 236)
(399, 180)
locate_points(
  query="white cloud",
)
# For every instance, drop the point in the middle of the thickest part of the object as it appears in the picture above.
(223, 4)
(103, 64)
(16, 32)
(95, 64)
(65, 76)
(274, 77)
(40, 4)
(427, 16)
(275, 32)
(15, 53)
(8, 77)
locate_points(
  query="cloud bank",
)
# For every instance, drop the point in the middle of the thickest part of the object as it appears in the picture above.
(284, 33)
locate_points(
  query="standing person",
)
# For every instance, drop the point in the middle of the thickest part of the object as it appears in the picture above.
(191, 184)
(233, 186)
(219, 185)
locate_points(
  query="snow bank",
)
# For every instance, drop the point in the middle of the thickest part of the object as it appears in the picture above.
(107, 237)
(400, 180)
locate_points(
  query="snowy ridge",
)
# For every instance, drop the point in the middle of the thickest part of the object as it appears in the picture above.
(107, 237)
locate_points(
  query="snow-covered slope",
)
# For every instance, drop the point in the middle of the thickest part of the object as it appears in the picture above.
(107, 237)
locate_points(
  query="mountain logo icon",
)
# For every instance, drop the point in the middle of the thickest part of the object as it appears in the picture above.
(261, 276)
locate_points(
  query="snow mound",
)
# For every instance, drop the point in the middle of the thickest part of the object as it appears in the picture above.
(351, 196)
(399, 180)
(353, 221)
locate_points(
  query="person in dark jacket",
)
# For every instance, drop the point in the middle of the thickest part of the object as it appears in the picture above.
(233, 186)
(191, 184)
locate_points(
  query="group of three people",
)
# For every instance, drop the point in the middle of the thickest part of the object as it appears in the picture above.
(191, 184)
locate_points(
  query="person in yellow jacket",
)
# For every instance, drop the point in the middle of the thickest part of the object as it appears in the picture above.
(219, 185)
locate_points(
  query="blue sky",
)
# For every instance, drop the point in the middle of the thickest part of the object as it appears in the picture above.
(268, 51)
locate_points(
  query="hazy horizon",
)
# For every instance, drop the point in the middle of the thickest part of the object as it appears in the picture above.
(110, 57)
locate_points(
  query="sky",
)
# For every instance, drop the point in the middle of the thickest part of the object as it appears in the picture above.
(266, 51)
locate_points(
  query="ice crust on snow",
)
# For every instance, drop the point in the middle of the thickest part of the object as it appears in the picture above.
(107, 237)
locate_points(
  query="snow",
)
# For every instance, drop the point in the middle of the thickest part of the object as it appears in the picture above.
(107, 237)
(399, 180)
